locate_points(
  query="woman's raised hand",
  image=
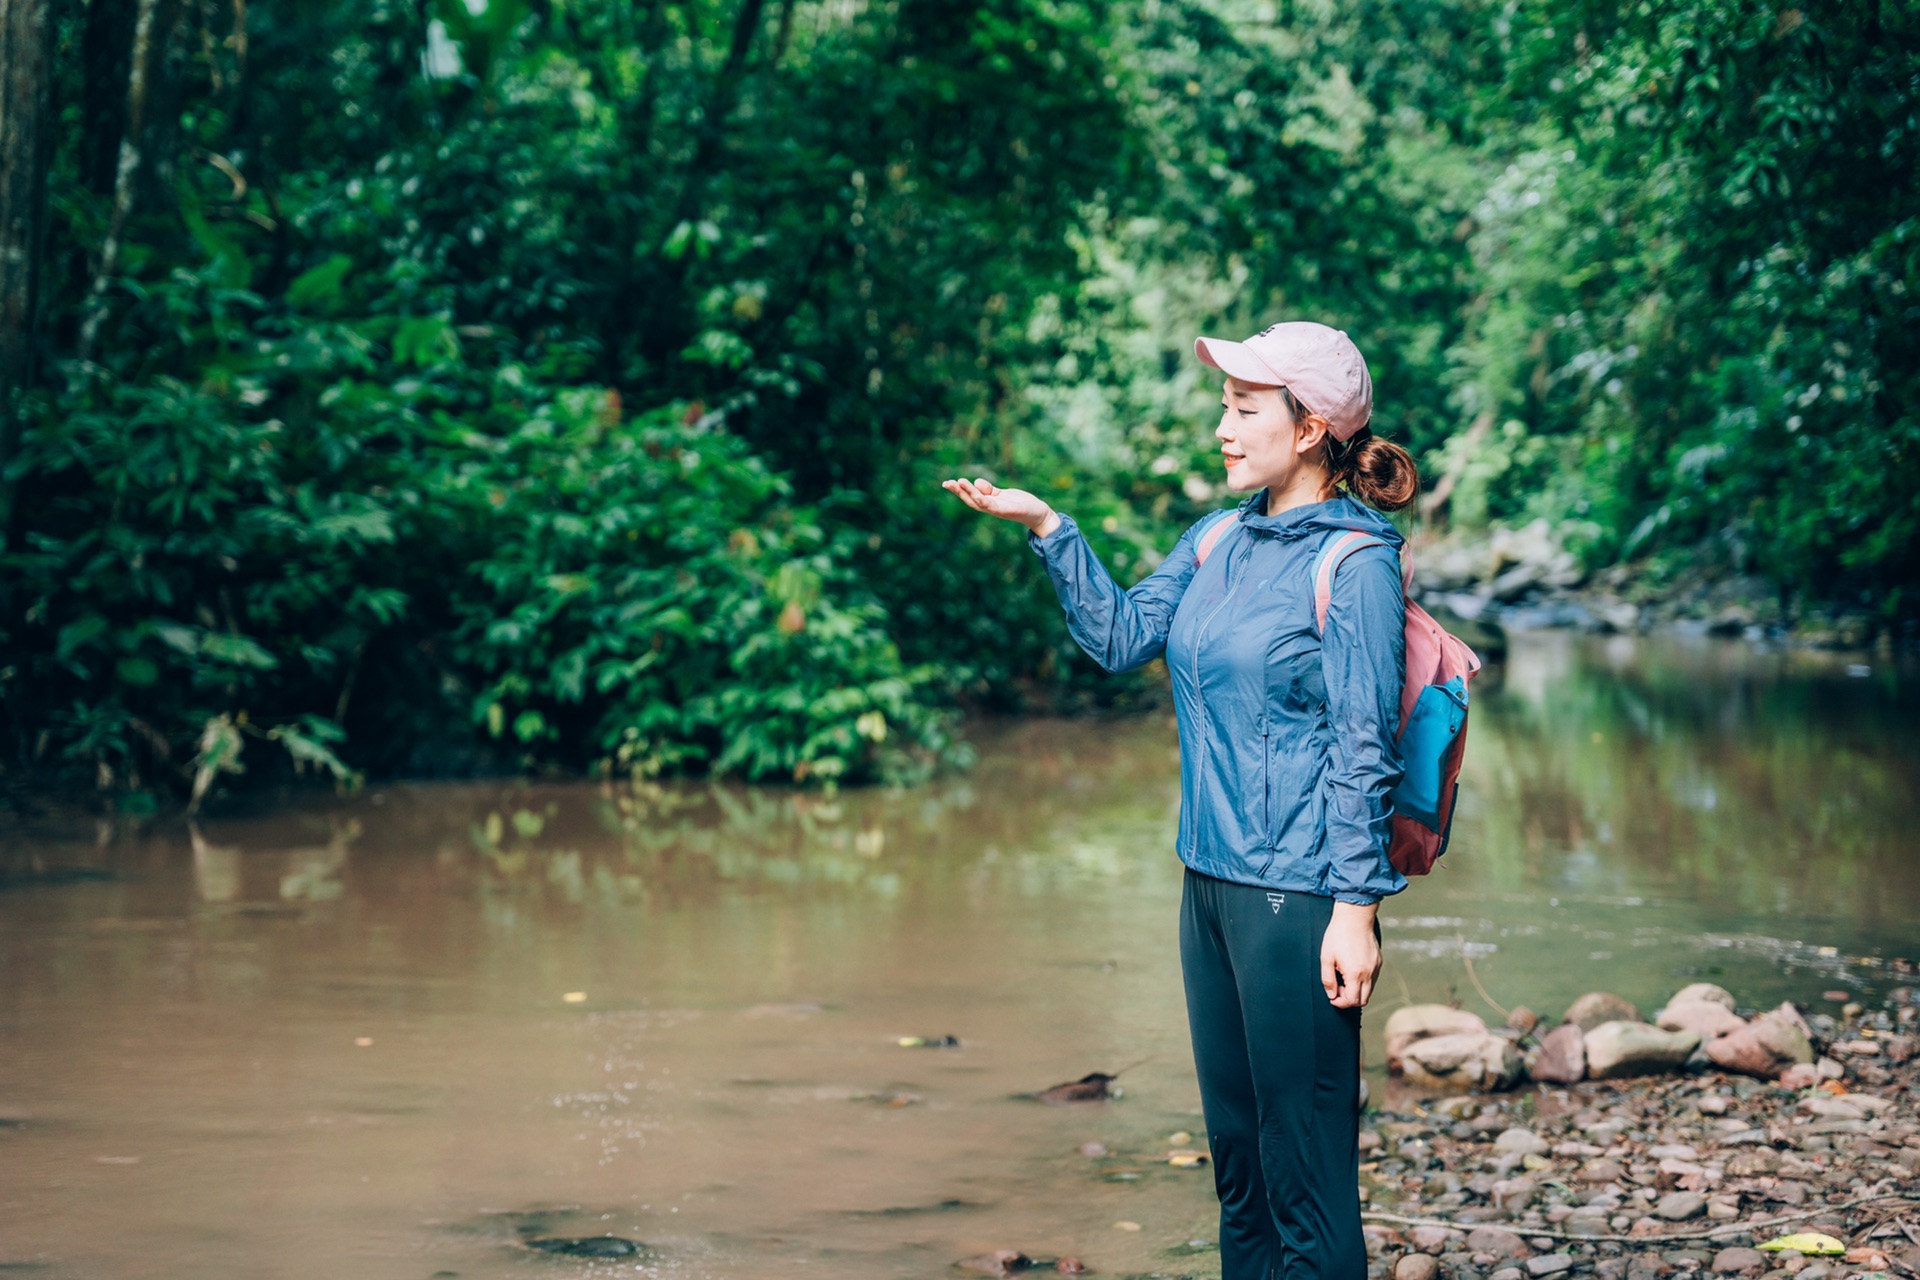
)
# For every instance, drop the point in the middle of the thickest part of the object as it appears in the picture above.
(1016, 505)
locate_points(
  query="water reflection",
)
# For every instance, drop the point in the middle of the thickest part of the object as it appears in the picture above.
(405, 1033)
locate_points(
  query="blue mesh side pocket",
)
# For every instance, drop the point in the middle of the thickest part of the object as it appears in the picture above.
(1438, 714)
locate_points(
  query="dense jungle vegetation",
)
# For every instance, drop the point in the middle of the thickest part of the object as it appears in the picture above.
(454, 385)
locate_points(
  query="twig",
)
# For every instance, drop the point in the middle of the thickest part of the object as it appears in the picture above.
(1725, 1228)
(1467, 960)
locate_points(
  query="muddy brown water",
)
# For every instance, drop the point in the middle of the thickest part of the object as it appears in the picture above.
(336, 1039)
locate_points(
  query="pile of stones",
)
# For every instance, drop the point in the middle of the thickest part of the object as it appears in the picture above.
(1648, 1150)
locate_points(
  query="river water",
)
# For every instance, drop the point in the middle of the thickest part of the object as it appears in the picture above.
(398, 1034)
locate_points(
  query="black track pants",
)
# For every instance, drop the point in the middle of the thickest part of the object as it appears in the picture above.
(1279, 1074)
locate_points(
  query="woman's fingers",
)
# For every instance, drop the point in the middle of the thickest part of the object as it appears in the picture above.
(1330, 974)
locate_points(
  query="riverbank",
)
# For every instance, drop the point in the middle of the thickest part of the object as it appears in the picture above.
(1528, 578)
(1662, 1175)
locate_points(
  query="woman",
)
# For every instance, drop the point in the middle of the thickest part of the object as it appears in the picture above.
(1286, 758)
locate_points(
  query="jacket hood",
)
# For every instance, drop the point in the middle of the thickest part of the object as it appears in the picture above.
(1317, 517)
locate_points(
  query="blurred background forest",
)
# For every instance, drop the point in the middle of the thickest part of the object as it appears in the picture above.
(449, 386)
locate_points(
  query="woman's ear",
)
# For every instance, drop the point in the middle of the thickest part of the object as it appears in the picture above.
(1309, 433)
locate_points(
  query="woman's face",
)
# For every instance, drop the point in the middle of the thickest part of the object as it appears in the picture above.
(1258, 438)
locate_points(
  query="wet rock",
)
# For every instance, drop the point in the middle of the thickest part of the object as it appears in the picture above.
(1635, 1048)
(1093, 1087)
(1425, 1021)
(1561, 1057)
(1524, 1141)
(1733, 1261)
(588, 1246)
(1678, 1206)
(1416, 1266)
(1765, 1047)
(1001, 1262)
(1596, 1007)
(1551, 1264)
(1469, 1060)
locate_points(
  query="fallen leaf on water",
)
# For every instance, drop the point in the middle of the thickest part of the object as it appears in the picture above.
(575, 997)
(1093, 1087)
(1186, 1159)
(1181, 1139)
(929, 1042)
(363, 1042)
(1868, 1256)
(1810, 1243)
(1124, 1225)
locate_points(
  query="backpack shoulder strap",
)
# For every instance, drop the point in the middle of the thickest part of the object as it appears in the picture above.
(1212, 536)
(1331, 556)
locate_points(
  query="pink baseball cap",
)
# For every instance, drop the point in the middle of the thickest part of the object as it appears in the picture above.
(1321, 366)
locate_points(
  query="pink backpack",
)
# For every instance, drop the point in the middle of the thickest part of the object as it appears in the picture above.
(1433, 708)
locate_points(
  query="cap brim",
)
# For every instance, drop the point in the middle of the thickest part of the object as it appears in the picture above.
(1236, 360)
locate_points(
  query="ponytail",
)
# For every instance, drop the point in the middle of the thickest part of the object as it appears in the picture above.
(1377, 472)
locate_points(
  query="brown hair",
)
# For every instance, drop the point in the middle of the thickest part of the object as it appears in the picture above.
(1377, 472)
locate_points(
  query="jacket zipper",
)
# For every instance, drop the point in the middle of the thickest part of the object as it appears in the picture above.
(1200, 633)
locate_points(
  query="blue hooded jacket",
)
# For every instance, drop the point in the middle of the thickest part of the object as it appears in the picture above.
(1287, 748)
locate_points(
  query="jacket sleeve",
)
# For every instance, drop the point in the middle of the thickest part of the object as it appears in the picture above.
(1363, 660)
(1120, 630)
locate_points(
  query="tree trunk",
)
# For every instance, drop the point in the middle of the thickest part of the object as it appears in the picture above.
(142, 157)
(26, 125)
(106, 52)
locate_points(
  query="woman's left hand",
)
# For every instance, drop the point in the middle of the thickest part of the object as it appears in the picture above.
(1350, 955)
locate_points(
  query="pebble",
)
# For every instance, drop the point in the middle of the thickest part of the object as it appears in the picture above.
(1678, 1206)
(1732, 1261)
(1524, 1141)
(1416, 1266)
(1507, 1273)
(1550, 1264)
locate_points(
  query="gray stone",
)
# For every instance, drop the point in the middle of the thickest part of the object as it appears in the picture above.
(1596, 1007)
(1732, 1261)
(1708, 1019)
(1678, 1206)
(1704, 992)
(1433, 1239)
(1507, 1273)
(1498, 1241)
(1765, 1047)
(1549, 1264)
(1636, 1048)
(1525, 1141)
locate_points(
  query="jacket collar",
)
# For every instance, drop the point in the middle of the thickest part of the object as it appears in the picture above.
(1339, 512)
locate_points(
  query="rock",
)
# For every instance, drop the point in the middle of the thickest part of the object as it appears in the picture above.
(1507, 1273)
(1423, 1021)
(1551, 1264)
(1497, 1241)
(1710, 1104)
(1525, 1141)
(1070, 1266)
(1678, 1206)
(1801, 1075)
(1522, 1019)
(1432, 1239)
(1701, 1016)
(1602, 1171)
(1635, 1048)
(1765, 1047)
(589, 1246)
(1703, 993)
(1596, 1007)
(1468, 1060)
(1729, 1262)
(1561, 1057)
(1416, 1266)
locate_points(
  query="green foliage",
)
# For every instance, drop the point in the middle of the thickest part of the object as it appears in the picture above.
(524, 386)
